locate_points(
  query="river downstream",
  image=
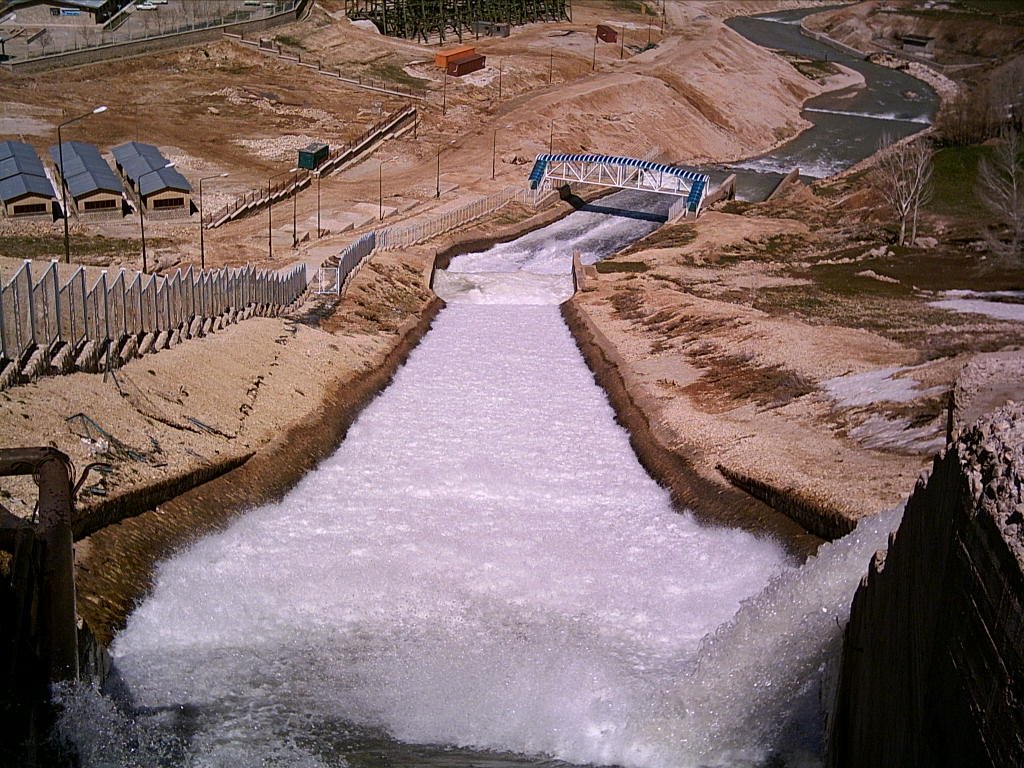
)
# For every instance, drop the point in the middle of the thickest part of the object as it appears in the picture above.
(482, 575)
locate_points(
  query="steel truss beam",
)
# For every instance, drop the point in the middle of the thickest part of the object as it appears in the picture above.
(622, 172)
(430, 20)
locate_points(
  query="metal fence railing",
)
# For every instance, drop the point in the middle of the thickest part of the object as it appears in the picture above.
(43, 319)
(401, 236)
(169, 22)
(337, 158)
(331, 279)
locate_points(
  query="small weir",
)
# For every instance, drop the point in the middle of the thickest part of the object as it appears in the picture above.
(483, 575)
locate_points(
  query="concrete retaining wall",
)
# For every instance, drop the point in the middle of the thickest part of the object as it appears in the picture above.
(151, 44)
(933, 669)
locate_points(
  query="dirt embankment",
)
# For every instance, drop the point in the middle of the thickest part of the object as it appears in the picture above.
(960, 33)
(733, 391)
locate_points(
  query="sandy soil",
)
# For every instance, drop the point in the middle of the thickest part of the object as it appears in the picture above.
(670, 340)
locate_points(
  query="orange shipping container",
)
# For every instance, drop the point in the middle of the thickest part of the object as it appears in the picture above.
(442, 58)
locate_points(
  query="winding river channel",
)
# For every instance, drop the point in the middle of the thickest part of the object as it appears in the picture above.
(483, 574)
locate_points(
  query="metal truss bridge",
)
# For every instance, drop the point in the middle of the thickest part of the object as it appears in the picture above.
(623, 172)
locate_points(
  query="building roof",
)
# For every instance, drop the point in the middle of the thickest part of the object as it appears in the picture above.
(148, 169)
(85, 170)
(87, 182)
(88, 5)
(135, 166)
(19, 164)
(12, 148)
(122, 152)
(16, 187)
(161, 179)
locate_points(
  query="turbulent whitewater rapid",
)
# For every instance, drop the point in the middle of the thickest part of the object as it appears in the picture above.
(482, 564)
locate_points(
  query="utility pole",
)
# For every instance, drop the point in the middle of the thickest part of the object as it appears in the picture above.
(438, 193)
(295, 205)
(270, 209)
(494, 148)
(64, 180)
(202, 224)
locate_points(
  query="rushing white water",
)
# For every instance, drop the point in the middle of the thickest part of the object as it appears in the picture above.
(891, 116)
(482, 563)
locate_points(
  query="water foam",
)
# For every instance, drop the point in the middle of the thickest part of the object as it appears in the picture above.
(502, 287)
(482, 563)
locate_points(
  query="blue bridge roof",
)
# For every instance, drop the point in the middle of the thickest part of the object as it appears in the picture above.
(698, 179)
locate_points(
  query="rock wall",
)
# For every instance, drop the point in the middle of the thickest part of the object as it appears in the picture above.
(933, 670)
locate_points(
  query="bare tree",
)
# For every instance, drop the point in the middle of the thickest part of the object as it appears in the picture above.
(902, 175)
(1001, 184)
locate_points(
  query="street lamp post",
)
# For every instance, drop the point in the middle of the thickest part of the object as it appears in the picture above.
(270, 209)
(142, 212)
(202, 224)
(438, 193)
(318, 230)
(380, 188)
(295, 204)
(63, 180)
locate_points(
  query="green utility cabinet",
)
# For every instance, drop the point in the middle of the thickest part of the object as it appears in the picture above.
(310, 157)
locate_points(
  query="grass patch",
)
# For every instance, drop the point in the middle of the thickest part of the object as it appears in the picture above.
(289, 40)
(736, 207)
(633, 6)
(607, 266)
(392, 72)
(937, 269)
(954, 179)
(814, 69)
(628, 304)
(731, 379)
(94, 250)
(779, 248)
(667, 236)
